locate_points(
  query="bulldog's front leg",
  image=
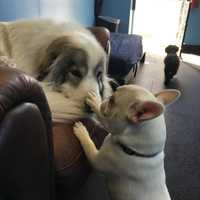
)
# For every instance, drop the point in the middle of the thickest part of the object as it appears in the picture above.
(100, 159)
(88, 146)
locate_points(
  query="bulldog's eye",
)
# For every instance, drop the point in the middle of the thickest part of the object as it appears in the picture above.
(76, 73)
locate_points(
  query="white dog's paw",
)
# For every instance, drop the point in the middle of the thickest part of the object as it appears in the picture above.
(80, 131)
(93, 101)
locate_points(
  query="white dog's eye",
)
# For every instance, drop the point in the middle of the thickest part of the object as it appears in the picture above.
(76, 73)
(99, 74)
(100, 82)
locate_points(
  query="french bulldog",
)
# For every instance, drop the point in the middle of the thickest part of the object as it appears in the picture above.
(132, 155)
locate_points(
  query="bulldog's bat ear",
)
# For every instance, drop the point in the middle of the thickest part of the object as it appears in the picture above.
(143, 111)
(168, 96)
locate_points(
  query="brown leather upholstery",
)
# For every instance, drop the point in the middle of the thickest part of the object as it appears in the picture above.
(26, 147)
(16, 87)
(26, 169)
(103, 36)
(72, 167)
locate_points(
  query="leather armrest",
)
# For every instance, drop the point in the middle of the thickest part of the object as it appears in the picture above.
(18, 90)
(103, 36)
(26, 170)
(17, 87)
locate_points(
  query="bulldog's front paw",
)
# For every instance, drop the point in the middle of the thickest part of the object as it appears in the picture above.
(80, 131)
(94, 102)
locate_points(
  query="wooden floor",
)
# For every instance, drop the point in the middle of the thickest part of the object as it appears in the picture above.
(151, 74)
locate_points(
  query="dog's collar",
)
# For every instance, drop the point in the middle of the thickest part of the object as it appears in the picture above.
(131, 152)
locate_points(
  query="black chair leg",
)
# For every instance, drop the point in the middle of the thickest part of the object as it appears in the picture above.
(136, 69)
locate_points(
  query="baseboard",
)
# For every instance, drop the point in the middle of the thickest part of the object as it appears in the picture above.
(193, 60)
(191, 49)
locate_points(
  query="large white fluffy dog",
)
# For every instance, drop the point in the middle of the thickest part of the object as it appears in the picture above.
(65, 57)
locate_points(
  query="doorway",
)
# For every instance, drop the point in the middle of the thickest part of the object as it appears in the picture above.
(160, 22)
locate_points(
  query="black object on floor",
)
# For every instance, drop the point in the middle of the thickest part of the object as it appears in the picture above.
(172, 62)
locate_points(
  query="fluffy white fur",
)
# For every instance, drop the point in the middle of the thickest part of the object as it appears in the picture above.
(26, 41)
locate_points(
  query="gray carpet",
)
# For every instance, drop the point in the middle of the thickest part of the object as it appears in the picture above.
(182, 161)
(183, 144)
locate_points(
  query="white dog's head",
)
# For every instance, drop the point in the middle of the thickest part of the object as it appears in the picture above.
(76, 64)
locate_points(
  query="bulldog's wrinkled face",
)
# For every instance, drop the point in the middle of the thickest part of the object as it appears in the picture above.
(135, 114)
(76, 65)
(129, 100)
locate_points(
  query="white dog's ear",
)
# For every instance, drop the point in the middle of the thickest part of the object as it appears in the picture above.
(143, 111)
(168, 96)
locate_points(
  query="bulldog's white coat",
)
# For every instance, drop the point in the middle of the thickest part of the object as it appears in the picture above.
(132, 155)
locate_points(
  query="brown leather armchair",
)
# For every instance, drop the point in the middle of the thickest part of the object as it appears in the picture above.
(29, 141)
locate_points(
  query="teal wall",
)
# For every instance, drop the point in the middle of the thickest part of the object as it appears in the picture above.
(81, 11)
(14, 9)
(192, 34)
(118, 9)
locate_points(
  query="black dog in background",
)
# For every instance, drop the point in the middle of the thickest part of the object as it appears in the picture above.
(172, 62)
